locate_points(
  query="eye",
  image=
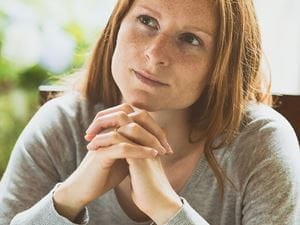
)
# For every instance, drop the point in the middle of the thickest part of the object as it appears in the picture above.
(191, 39)
(148, 21)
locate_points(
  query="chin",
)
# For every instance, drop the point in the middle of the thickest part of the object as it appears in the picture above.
(150, 106)
(144, 106)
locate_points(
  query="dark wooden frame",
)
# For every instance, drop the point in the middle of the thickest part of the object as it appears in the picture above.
(289, 107)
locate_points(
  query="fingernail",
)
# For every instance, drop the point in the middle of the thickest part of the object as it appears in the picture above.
(88, 130)
(88, 147)
(162, 150)
(88, 137)
(171, 153)
(169, 147)
(154, 153)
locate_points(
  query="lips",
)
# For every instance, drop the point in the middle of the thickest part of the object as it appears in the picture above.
(148, 78)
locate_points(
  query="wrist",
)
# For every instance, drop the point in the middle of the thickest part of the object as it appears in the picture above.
(66, 204)
(166, 210)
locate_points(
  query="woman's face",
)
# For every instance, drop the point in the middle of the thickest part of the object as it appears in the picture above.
(163, 53)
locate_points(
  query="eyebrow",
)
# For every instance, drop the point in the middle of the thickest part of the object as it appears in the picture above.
(149, 9)
(198, 29)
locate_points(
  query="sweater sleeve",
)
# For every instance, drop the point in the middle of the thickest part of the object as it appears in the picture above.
(271, 175)
(34, 169)
(186, 216)
(44, 212)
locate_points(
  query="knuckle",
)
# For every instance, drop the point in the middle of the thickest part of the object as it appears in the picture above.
(98, 119)
(149, 150)
(162, 133)
(124, 150)
(124, 147)
(122, 116)
(143, 114)
(133, 128)
(93, 144)
(98, 136)
(126, 108)
(155, 142)
(90, 147)
(115, 135)
(98, 115)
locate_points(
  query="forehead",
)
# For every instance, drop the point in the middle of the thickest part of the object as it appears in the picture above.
(200, 13)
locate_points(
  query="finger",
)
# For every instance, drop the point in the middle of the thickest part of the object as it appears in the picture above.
(107, 139)
(146, 121)
(116, 119)
(135, 135)
(126, 108)
(141, 117)
(139, 135)
(126, 150)
(89, 137)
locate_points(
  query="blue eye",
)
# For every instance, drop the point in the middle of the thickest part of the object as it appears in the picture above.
(191, 39)
(148, 21)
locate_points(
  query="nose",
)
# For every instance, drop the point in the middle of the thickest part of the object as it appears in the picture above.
(158, 50)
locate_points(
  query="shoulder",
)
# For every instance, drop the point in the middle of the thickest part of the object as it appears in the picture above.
(69, 104)
(66, 110)
(56, 132)
(61, 120)
(266, 126)
(266, 145)
(266, 129)
(59, 123)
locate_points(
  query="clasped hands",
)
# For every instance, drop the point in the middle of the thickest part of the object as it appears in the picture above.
(123, 142)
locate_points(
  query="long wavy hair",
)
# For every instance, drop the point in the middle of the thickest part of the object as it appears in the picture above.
(236, 77)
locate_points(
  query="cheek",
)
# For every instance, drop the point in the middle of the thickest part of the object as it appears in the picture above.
(118, 66)
(128, 43)
(115, 66)
(191, 94)
(193, 71)
(190, 84)
(191, 88)
(119, 59)
(130, 36)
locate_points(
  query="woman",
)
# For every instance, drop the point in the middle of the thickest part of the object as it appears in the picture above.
(172, 113)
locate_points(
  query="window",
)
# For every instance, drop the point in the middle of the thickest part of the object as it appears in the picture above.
(280, 25)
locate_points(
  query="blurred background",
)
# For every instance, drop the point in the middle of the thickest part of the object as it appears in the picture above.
(41, 41)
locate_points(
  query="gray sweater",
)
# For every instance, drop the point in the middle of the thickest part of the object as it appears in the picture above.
(263, 163)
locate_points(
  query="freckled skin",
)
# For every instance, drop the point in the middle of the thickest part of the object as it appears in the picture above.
(160, 51)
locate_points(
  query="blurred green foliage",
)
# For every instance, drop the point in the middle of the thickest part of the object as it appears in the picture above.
(19, 100)
(16, 108)
(19, 97)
